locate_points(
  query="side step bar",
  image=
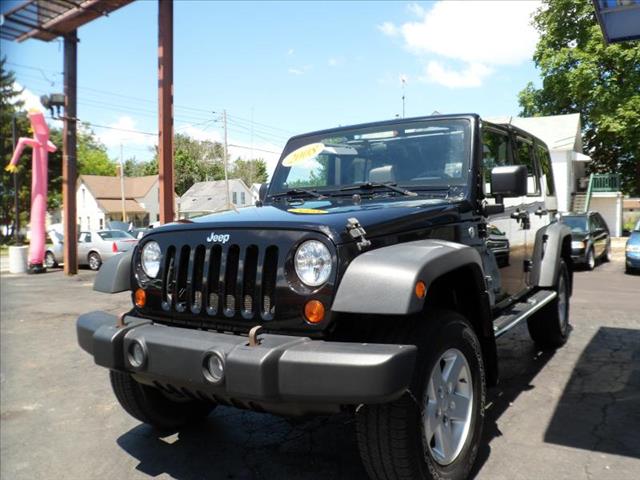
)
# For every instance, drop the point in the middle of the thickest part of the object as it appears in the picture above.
(521, 311)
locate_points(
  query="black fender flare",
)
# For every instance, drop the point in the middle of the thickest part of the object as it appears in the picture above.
(114, 275)
(551, 244)
(382, 281)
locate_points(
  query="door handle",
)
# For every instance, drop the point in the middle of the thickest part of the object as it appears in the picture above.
(540, 212)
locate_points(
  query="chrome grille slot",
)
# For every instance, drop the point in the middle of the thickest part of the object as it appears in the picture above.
(230, 280)
(250, 268)
(197, 279)
(182, 270)
(168, 279)
(269, 276)
(213, 280)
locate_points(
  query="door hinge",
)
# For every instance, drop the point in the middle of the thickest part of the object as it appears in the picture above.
(357, 232)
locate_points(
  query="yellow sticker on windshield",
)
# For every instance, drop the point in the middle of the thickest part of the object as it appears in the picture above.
(310, 211)
(303, 154)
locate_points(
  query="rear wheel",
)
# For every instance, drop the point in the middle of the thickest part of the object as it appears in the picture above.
(151, 406)
(606, 256)
(550, 328)
(433, 432)
(50, 260)
(94, 260)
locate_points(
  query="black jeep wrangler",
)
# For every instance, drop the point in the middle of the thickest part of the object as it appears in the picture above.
(373, 277)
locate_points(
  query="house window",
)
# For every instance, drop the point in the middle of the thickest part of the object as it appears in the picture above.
(242, 198)
(83, 198)
(157, 217)
(80, 222)
(88, 223)
(235, 198)
(101, 221)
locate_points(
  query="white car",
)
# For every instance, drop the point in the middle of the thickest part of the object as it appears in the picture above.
(93, 247)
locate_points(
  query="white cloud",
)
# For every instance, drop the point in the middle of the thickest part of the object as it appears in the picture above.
(291, 51)
(30, 99)
(335, 61)
(416, 9)
(471, 76)
(388, 29)
(124, 131)
(481, 34)
(295, 71)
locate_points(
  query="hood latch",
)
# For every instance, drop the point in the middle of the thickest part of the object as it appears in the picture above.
(357, 232)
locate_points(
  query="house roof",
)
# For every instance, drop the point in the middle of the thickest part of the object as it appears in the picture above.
(102, 186)
(110, 205)
(559, 132)
(209, 196)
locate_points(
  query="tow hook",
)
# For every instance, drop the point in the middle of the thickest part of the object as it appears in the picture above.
(253, 336)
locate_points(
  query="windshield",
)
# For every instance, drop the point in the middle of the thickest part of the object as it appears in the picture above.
(432, 154)
(576, 224)
(109, 234)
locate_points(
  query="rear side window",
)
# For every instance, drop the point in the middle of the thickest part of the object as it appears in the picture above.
(104, 235)
(525, 157)
(495, 153)
(546, 169)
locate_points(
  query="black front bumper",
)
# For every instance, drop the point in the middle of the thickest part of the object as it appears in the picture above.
(310, 374)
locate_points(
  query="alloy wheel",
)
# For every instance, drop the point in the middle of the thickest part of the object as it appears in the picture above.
(449, 406)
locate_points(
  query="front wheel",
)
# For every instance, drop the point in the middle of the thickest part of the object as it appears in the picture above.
(151, 406)
(94, 261)
(549, 328)
(434, 431)
(50, 260)
(591, 260)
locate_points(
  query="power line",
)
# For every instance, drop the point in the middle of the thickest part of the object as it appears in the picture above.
(254, 148)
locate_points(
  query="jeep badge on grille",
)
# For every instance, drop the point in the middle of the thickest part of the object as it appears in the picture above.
(218, 237)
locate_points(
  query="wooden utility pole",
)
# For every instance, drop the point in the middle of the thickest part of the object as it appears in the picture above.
(122, 185)
(226, 158)
(69, 169)
(165, 109)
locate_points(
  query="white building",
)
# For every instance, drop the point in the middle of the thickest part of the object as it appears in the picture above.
(210, 197)
(576, 191)
(99, 200)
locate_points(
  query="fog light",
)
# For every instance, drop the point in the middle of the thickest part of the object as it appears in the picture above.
(314, 311)
(214, 367)
(140, 298)
(137, 354)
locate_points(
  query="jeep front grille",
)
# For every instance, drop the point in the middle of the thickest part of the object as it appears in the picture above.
(220, 281)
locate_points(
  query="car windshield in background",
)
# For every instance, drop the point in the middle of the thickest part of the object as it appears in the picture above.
(429, 154)
(113, 234)
(576, 224)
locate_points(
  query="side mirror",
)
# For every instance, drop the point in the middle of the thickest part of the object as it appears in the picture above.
(262, 193)
(510, 181)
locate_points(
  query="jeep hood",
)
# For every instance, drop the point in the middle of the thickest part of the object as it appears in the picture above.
(378, 216)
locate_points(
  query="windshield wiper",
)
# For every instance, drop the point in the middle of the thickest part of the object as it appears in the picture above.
(299, 192)
(371, 185)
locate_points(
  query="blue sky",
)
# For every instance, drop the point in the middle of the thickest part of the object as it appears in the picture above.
(290, 66)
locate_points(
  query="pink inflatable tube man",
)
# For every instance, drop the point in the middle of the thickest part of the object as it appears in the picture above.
(41, 147)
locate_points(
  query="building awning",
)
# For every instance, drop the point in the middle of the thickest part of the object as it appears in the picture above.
(109, 205)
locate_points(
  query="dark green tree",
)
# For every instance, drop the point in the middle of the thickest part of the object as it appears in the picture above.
(601, 82)
(250, 171)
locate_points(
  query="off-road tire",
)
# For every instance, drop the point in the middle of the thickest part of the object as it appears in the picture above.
(606, 256)
(391, 436)
(151, 406)
(547, 327)
(94, 260)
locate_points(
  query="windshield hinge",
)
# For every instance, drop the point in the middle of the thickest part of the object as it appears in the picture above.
(357, 232)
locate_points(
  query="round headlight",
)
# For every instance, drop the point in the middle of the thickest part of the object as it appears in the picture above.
(313, 263)
(151, 255)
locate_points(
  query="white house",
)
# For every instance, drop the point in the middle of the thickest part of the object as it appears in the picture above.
(576, 191)
(99, 200)
(211, 197)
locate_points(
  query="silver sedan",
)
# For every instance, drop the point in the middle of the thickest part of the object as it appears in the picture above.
(93, 247)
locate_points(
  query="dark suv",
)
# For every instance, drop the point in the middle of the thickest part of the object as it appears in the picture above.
(591, 238)
(373, 277)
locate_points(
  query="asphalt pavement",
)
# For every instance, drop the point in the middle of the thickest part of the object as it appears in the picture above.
(572, 414)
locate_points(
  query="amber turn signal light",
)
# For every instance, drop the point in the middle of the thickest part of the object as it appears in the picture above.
(140, 298)
(421, 289)
(314, 311)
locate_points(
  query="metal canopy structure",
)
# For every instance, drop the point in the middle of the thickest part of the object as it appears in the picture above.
(49, 19)
(618, 19)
